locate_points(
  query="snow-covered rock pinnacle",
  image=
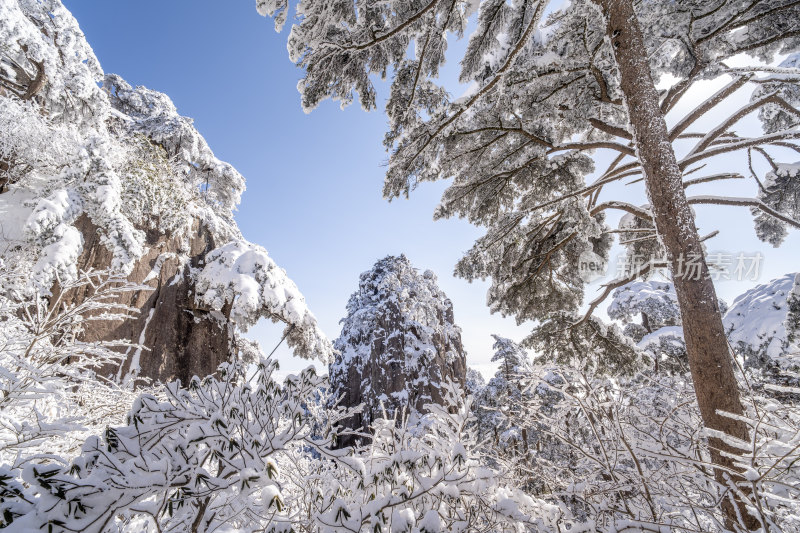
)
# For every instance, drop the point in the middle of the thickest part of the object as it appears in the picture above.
(399, 343)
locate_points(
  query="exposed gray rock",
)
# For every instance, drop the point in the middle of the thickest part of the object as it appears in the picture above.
(181, 339)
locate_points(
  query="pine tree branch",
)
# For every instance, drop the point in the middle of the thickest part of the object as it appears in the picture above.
(712, 135)
(706, 106)
(580, 146)
(766, 42)
(598, 77)
(762, 15)
(771, 138)
(644, 214)
(726, 25)
(611, 130)
(520, 131)
(746, 202)
(532, 24)
(715, 177)
(394, 31)
(422, 54)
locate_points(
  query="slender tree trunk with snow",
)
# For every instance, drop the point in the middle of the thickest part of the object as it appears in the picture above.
(709, 354)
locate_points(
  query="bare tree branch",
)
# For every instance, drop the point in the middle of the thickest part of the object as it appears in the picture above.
(747, 202)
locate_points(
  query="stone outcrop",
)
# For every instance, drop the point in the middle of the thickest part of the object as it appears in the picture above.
(399, 344)
(181, 338)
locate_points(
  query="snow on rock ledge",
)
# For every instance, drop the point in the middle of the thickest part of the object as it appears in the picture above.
(243, 275)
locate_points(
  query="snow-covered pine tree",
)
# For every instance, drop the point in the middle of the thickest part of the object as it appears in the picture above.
(544, 94)
(475, 382)
(510, 356)
(649, 310)
(591, 345)
(501, 401)
(399, 344)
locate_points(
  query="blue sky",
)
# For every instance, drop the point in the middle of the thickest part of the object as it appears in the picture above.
(314, 181)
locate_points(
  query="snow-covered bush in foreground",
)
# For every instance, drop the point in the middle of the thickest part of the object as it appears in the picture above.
(631, 455)
(51, 397)
(197, 459)
(426, 477)
(244, 453)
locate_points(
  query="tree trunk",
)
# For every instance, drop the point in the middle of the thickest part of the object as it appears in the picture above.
(709, 354)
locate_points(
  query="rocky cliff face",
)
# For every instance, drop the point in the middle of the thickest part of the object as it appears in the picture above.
(180, 337)
(399, 344)
(97, 175)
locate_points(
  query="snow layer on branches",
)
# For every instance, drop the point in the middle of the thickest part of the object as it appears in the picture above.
(242, 275)
(155, 116)
(655, 298)
(781, 192)
(43, 37)
(668, 339)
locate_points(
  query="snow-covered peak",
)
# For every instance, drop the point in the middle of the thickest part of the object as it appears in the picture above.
(757, 318)
(393, 287)
(399, 343)
(394, 280)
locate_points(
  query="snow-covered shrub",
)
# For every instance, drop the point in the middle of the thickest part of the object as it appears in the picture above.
(196, 459)
(50, 394)
(30, 141)
(421, 477)
(152, 193)
(244, 453)
(632, 455)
